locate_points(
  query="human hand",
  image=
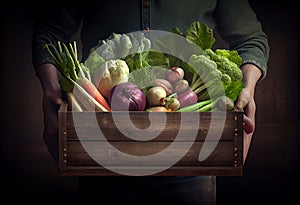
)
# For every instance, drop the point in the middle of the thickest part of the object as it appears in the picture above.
(246, 102)
(52, 96)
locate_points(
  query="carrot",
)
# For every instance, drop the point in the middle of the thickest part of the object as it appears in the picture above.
(69, 66)
(94, 92)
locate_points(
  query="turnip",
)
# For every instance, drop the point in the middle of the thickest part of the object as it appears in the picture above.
(174, 74)
(156, 96)
(165, 84)
(187, 98)
(174, 104)
(171, 102)
(181, 86)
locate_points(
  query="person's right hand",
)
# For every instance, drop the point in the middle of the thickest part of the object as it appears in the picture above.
(52, 96)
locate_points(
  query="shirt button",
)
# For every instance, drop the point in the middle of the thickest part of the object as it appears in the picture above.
(146, 4)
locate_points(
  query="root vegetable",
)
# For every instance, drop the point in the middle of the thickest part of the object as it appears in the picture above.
(174, 105)
(165, 84)
(158, 109)
(73, 102)
(156, 96)
(174, 74)
(187, 98)
(181, 86)
(127, 96)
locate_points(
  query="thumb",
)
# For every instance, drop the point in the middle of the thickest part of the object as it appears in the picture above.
(240, 104)
(58, 101)
(54, 96)
(243, 99)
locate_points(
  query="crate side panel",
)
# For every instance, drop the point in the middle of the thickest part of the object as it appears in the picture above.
(102, 152)
(107, 127)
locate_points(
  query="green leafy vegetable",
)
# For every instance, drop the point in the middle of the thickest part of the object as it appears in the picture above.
(200, 34)
(232, 55)
(94, 61)
(225, 65)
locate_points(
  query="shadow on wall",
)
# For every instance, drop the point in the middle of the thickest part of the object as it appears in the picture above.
(272, 167)
(29, 171)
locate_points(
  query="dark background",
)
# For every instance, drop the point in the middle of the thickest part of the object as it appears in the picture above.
(272, 166)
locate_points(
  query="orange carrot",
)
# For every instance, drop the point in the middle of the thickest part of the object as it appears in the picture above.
(93, 91)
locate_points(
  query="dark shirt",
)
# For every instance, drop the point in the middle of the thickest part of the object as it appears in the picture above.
(235, 21)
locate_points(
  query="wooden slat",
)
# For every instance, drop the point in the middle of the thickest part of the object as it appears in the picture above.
(172, 171)
(62, 117)
(105, 124)
(238, 140)
(223, 154)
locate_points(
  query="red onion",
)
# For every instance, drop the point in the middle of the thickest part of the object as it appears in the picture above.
(127, 96)
(187, 98)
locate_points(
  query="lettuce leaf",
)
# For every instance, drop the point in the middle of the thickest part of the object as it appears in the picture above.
(200, 34)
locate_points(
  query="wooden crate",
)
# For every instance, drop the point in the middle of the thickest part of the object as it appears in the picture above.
(75, 159)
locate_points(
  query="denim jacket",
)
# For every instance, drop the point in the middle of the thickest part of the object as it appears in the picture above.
(234, 20)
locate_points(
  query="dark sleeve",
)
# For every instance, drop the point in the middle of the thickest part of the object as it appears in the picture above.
(239, 26)
(59, 24)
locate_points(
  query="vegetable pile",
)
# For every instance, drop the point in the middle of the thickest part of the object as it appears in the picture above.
(123, 73)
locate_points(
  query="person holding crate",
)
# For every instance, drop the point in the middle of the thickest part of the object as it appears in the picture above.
(234, 20)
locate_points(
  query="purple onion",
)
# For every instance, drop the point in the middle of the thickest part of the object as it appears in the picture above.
(127, 96)
(187, 98)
